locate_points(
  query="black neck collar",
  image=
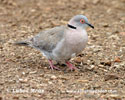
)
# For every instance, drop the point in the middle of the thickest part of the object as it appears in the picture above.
(70, 26)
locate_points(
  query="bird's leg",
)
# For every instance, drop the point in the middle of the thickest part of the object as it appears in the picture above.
(52, 66)
(70, 66)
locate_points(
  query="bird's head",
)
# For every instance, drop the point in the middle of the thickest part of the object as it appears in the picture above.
(79, 21)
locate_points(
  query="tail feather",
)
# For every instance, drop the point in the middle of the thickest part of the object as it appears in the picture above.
(22, 43)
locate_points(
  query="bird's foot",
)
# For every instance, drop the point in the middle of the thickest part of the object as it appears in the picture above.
(52, 66)
(71, 67)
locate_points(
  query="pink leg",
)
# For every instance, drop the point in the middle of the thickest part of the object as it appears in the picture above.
(52, 66)
(71, 66)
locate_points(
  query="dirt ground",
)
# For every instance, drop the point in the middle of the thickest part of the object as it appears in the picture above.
(24, 72)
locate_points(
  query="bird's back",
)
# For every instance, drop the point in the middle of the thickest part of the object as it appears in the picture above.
(48, 39)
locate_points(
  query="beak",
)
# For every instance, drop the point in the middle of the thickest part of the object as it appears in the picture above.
(90, 25)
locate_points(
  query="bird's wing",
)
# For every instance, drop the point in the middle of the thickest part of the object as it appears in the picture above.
(48, 39)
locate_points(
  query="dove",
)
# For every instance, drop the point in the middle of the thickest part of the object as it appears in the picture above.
(61, 43)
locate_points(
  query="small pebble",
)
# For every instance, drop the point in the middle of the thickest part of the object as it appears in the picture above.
(117, 60)
(96, 1)
(111, 77)
(92, 66)
(50, 82)
(23, 73)
(78, 59)
(53, 77)
(122, 33)
(34, 72)
(23, 80)
(105, 25)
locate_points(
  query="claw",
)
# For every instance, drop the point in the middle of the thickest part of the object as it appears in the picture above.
(71, 67)
(52, 66)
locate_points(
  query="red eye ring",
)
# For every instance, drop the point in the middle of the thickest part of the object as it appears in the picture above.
(82, 21)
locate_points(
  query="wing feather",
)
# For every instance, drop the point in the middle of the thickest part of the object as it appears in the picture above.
(48, 39)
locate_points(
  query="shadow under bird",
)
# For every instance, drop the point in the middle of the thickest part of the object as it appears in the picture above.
(61, 43)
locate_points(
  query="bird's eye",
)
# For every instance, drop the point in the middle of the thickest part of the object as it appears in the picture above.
(82, 21)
